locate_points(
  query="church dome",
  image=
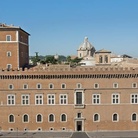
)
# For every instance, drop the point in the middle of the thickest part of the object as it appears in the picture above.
(86, 45)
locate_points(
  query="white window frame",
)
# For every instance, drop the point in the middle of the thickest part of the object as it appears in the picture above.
(11, 87)
(41, 118)
(117, 117)
(115, 85)
(63, 84)
(134, 99)
(51, 99)
(134, 83)
(11, 99)
(98, 117)
(82, 98)
(115, 98)
(9, 118)
(40, 86)
(96, 85)
(96, 99)
(61, 118)
(8, 37)
(38, 99)
(25, 85)
(23, 118)
(51, 84)
(49, 118)
(132, 118)
(8, 53)
(63, 98)
(25, 99)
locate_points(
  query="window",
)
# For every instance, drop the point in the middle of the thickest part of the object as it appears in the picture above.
(11, 86)
(96, 98)
(63, 99)
(115, 117)
(63, 86)
(63, 118)
(39, 118)
(79, 85)
(39, 99)
(100, 59)
(134, 98)
(8, 37)
(9, 66)
(38, 86)
(134, 117)
(11, 99)
(78, 97)
(79, 115)
(96, 118)
(134, 85)
(11, 118)
(51, 98)
(115, 85)
(115, 98)
(106, 59)
(51, 86)
(51, 118)
(8, 54)
(25, 118)
(25, 99)
(96, 85)
(25, 86)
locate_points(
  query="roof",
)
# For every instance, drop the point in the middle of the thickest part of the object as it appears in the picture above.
(11, 27)
(103, 51)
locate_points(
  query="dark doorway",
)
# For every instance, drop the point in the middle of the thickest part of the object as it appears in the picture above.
(79, 125)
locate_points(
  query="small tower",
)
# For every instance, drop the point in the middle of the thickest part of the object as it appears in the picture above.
(14, 47)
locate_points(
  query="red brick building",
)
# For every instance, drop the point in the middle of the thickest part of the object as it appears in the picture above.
(62, 98)
(14, 47)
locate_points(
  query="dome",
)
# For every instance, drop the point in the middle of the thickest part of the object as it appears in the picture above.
(86, 45)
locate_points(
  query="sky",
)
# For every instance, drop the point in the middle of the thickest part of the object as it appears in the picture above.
(59, 26)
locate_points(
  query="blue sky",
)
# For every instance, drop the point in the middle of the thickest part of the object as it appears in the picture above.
(59, 26)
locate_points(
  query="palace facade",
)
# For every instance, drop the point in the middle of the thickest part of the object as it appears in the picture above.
(101, 96)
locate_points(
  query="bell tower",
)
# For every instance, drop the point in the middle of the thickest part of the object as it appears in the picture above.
(14, 47)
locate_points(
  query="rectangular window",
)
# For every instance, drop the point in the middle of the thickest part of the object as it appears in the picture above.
(115, 99)
(134, 98)
(51, 98)
(78, 97)
(63, 99)
(9, 66)
(96, 98)
(39, 99)
(8, 37)
(11, 99)
(25, 99)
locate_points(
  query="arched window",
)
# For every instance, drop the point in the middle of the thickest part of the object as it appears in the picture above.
(51, 118)
(96, 118)
(11, 118)
(63, 118)
(39, 118)
(25, 118)
(63, 86)
(115, 117)
(51, 86)
(106, 59)
(9, 54)
(134, 117)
